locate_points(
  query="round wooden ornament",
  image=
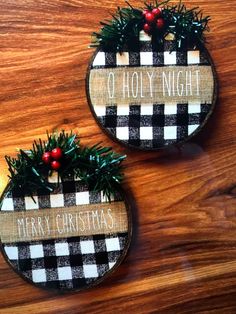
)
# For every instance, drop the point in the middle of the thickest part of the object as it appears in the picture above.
(68, 238)
(154, 95)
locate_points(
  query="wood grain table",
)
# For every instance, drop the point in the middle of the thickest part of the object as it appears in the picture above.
(183, 253)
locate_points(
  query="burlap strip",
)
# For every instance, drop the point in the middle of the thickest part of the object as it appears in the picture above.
(147, 84)
(56, 223)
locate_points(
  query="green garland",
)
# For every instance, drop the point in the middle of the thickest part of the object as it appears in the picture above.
(122, 32)
(97, 167)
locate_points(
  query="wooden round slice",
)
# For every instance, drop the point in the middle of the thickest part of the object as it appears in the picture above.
(152, 98)
(70, 239)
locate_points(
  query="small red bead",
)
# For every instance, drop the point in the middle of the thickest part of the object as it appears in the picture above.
(150, 17)
(156, 12)
(56, 153)
(46, 158)
(147, 28)
(160, 23)
(145, 12)
(55, 165)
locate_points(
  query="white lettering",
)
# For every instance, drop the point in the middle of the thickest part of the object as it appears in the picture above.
(111, 85)
(166, 84)
(180, 85)
(135, 79)
(126, 84)
(150, 76)
(189, 83)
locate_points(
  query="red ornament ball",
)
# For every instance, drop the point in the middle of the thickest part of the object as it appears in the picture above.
(160, 23)
(56, 153)
(46, 158)
(150, 17)
(156, 12)
(147, 28)
(55, 165)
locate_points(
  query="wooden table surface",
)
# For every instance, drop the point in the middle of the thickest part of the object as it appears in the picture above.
(183, 253)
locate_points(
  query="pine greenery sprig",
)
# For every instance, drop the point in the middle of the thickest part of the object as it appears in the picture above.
(97, 167)
(188, 25)
(122, 32)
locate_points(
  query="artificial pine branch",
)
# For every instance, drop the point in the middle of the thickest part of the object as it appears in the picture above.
(98, 167)
(101, 169)
(188, 25)
(122, 32)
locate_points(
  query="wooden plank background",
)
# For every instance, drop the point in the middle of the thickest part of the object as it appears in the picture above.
(183, 254)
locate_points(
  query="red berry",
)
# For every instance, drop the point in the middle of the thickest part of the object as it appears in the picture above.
(160, 23)
(150, 17)
(46, 158)
(55, 165)
(147, 28)
(156, 12)
(145, 12)
(56, 153)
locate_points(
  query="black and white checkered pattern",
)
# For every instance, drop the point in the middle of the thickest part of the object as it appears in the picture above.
(153, 125)
(71, 263)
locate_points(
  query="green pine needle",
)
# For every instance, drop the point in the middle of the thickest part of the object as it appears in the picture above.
(98, 167)
(122, 32)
